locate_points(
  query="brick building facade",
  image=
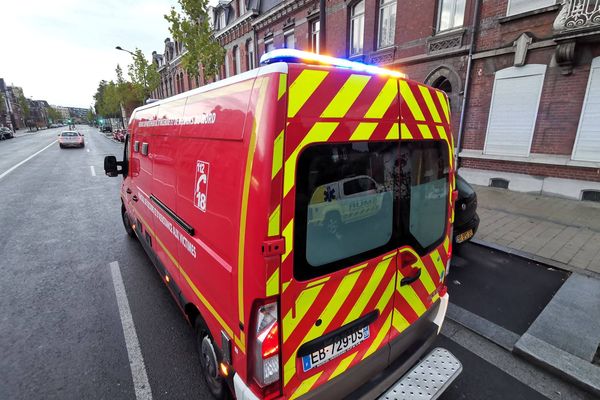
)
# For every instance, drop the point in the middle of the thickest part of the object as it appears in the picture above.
(523, 76)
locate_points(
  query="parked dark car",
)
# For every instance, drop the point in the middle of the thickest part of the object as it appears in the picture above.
(106, 129)
(6, 133)
(466, 220)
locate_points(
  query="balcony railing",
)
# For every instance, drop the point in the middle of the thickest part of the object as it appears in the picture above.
(578, 14)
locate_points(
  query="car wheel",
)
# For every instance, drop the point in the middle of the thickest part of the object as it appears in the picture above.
(333, 223)
(127, 223)
(209, 363)
(61, 146)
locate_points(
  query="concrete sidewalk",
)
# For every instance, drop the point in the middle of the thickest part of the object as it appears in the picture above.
(560, 232)
(565, 338)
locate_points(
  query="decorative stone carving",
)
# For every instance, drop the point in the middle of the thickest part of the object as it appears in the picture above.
(521, 47)
(565, 56)
(578, 14)
(384, 56)
(445, 42)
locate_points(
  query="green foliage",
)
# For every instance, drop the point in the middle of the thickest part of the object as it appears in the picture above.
(91, 116)
(193, 30)
(2, 105)
(107, 99)
(143, 75)
(54, 114)
(24, 106)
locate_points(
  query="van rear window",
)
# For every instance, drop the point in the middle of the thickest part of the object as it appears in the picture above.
(355, 201)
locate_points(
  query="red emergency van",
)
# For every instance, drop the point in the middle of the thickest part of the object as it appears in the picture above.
(301, 216)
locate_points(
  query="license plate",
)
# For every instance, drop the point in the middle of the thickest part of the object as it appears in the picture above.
(339, 346)
(464, 236)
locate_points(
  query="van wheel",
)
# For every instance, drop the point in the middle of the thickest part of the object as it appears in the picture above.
(333, 223)
(127, 223)
(209, 363)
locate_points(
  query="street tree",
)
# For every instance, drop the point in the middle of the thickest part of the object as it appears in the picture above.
(2, 106)
(54, 114)
(143, 74)
(24, 105)
(91, 116)
(192, 28)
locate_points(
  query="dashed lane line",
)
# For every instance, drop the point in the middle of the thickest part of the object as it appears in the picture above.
(11, 169)
(93, 170)
(136, 360)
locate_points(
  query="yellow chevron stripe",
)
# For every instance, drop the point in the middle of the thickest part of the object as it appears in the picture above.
(426, 278)
(282, 86)
(410, 296)
(305, 386)
(302, 304)
(273, 284)
(346, 96)
(443, 134)
(380, 336)
(447, 244)
(394, 133)
(405, 133)
(363, 131)
(277, 155)
(437, 261)
(411, 101)
(444, 102)
(430, 104)
(387, 295)
(399, 322)
(288, 235)
(343, 366)
(425, 131)
(285, 286)
(302, 88)
(274, 221)
(383, 100)
(320, 132)
(358, 268)
(333, 307)
(367, 293)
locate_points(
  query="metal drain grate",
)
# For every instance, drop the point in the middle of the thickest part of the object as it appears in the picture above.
(427, 380)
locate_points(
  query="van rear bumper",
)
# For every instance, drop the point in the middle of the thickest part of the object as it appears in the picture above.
(375, 375)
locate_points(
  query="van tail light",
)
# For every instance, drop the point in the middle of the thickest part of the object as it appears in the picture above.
(265, 351)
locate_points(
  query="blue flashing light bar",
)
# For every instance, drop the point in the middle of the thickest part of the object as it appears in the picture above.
(293, 55)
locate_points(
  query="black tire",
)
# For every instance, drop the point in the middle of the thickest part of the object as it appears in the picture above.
(209, 363)
(333, 222)
(61, 146)
(127, 223)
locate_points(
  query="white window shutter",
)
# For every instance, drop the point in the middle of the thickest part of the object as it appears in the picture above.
(587, 144)
(514, 109)
(520, 6)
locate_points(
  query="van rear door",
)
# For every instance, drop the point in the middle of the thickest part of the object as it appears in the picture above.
(338, 272)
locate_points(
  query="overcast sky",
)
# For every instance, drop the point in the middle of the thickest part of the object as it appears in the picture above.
(59, 50)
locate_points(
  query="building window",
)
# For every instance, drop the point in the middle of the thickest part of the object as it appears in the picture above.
(250, 54)
(520, 6)
(451, 14)
(222, 20)
(315, 27)
(387, 23)
(289, 41)
(237, 63)
(357, 28)
(227, 70)
(587, 144)
(514, 109)
(269, 45)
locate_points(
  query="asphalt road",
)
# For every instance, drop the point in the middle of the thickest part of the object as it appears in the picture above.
(61, 334)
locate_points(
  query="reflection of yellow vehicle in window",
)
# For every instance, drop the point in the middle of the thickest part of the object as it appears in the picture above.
(347, 200)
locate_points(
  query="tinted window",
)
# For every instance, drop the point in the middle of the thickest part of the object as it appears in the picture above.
(356, 201)
(70, 134)
(463, 187)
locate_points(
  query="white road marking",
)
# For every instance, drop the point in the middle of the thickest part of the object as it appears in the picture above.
(11, 169)
(136, 360)
(87, 150)
(93, 170)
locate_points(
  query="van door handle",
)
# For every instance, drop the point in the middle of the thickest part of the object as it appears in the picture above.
(411, 279)
(134, 198)
(128, 191)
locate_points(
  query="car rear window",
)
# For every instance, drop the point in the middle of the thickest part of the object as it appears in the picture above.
(70, 134)
(357, 200)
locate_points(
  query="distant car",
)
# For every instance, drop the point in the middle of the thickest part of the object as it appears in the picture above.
(6, 133)
(105, 129)
(466, 220)
(70, 139)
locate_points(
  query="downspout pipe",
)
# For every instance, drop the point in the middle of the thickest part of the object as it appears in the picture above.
(461, 128)
(322, 26)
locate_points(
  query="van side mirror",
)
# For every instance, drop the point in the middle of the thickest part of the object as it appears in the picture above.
(111, 166)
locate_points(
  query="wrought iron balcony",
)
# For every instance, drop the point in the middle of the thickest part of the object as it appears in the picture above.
(578, 15)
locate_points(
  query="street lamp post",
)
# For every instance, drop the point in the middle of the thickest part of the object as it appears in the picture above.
(136, 56)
